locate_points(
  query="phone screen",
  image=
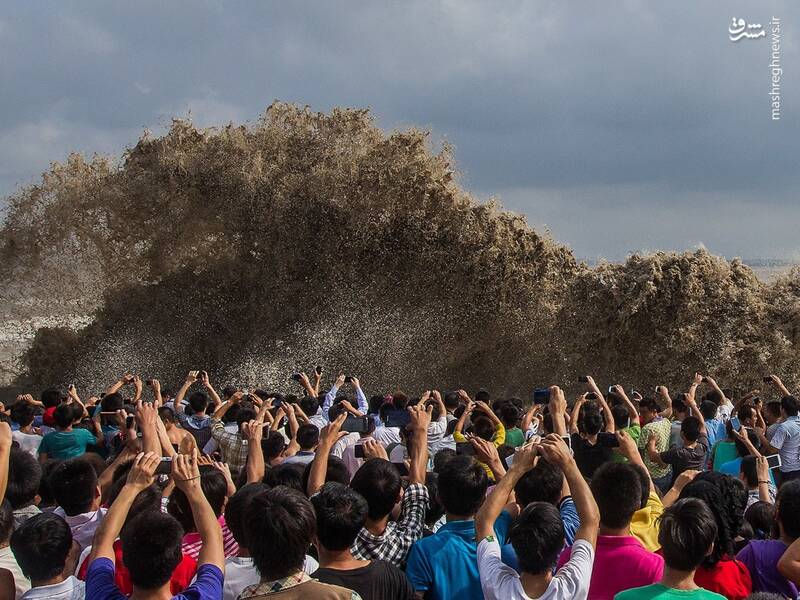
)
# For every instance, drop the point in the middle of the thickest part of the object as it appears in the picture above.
(735, 424)
(356, 424)
(358, 450)
(774, 461)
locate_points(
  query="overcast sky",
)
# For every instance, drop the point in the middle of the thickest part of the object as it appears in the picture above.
(620, 126)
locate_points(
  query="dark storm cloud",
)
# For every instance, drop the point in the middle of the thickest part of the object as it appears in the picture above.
(638, 120)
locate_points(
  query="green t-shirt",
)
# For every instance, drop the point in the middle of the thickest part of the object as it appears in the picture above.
(515, 437)
(634, 431)
(66, 444)
(662, 592)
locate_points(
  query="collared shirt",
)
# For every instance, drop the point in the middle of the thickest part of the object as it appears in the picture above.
(786, 440)
(212, 445)
(241, 573)
(267, 588)
(84, 525)
(23, 514)
(69, 589)
(9, 561)
(646, 523)
(199, 427)
(231, 445)
(303, 457)
(396, 541)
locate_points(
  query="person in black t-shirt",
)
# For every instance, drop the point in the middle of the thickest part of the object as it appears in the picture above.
(590, 448)
(341, 513)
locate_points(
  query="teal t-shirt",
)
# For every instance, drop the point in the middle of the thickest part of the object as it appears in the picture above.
(515, 437)
(662, 592)
(66, 444)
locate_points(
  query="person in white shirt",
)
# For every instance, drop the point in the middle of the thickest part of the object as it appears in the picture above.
(45, 551)
(75, 489)
(538, 534)
(7, 560)
(25, 436)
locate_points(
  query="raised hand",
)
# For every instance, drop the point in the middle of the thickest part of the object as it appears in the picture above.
(143, 470)
(373, 449)
(186, 472)
(555, 451)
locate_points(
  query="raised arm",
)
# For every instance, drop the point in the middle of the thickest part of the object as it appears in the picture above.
(629, 449)
(619, 391)
(556, 452)
(191, 377)
(310, 390)
(331, 395)
(5, 456)
(663, 393)
(328, 437)
(73, 394)
(789, 563)
(418, 453)
(692, 403)
(254, 432)
(146, 417)
(576, 411)
(212, 393)
(119, 384)
(361, 399)
(155, 385)
(601, 400)
(558, 409)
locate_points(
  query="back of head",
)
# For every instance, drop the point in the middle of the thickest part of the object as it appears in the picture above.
(708, 409)
(774, 408)
(746, 413)
(273, 444)
(621, 416)
(73, 484)
(198, 401)
(22, 414)
(789, 405)
(688, 530)
(748, 468)
(617, 489)
(690, 428)
(441, 458)
(41, 546)
(462, 486)
(6, 522)
(509, 415)
(483, 427)
(307, 436)
(166, 414)
(679, 404)
(337, 471)
(214, 487)
(112, 402)
(281, 525)
(151, 549)
(310, 405)
(713, 396)
(236, 509)
(64, 415)
(482, 396)
(24, 475)
(52, 397)
(761, 518)
(290, 475)
(400, 400)
(543, 483)
(591, 420)
(341, 513)
(244, 415)
(451, 401)
(378, 482)
(741, 449)
(538, 537)
(788, 508)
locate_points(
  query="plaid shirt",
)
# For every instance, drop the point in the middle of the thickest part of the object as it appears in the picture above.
(395, 543)
(231, 445)
(267, 588)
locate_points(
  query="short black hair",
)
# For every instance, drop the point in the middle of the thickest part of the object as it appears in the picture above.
(214, 487)
(690, 428)
(288, 474)
(337, 471)
(761, 518)
(774, 408)
(198, 401)
(790, 405)
(237, 508)
(229, 390)
(63, 415)
(272, 445)
(679, 403)
(309, 405)
(482, 395)
(45, 494)
(244, 415)
(22, 414)
(281, 525)
(591, 420)
(41, 546)
(462, 486)
(788, 508)
(688, 529)
(746, 411)
(483, 427)
(509, 415)
(537, 537)
(617, 489)
(649, 404)
(6, 521)
(442, 457)
(151, 548)
(378, 481)
(24, 475)
(451, 400)
(708, 409)
(112, 402)
(543, 483)
(52, 396)
(307, 436)
(621, 415)
(166, 414)
(73, 484)
(341, 513)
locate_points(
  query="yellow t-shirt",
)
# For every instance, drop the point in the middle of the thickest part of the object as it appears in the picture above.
(498, 440)
(644, 525)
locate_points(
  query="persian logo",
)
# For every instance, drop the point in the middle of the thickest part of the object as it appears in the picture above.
(739, 29)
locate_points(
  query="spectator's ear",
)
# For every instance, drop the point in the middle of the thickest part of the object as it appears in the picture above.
(710, 549)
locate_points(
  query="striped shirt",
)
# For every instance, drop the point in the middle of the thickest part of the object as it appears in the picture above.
(192, 544)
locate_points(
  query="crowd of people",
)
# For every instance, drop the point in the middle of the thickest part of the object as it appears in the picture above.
(253, 494)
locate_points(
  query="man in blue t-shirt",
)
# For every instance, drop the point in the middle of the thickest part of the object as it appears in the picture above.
(151, 545)
(445, 565)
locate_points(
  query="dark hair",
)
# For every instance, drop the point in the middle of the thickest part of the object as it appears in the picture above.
(45, 495)
(435, 509)
(617, 489)
(237, 508)
(6, 521)
(726, 497)
(112, 402)
(644, 481)
(789, 405)
(288, 474)
(309, 405)
(378, 482)
(307, 436)
(690, 428)
(22, 414)
(483, 427)
(52, 397)
(649, 404)
(714, 396)
(761, 518)
(746, 412)
(543, 483)
(537, 537)
(482, 395)
(63, 415)
(462, 486)
(166, 414)
(24, 475)
(451, 400)
(335, 410)
(741, 449)
(214, 487)
(272, 445)
(244, 415)
(281, 524)
(151, 548)
(679, 403)
(688, 529)
(337, 471)
(341, 513)
(591, 421)
(400, 400)
(441, 458)
(708, 409)
(73, 484)
(774, 408)
(41, 546)
(621, 416)
(509, 415)
(229, 390)
(198, 401)
(788, 508)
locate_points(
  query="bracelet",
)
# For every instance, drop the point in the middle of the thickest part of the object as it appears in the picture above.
(189, 479)
(767, 482)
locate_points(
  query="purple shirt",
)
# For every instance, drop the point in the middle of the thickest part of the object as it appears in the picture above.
(100, 583)
(761, 559)
(620, 563)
